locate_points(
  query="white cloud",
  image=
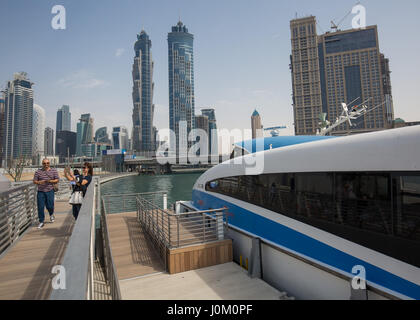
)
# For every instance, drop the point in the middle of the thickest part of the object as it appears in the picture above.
(119, 52)
(81, 79)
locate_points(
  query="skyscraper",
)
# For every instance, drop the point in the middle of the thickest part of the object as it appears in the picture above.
(18, 117)
(84, 132)
(143, 107)
(337, 67)
(2, 126)
(65, 145)
(256, 125)
(63, 119)
(120, 138)
(213, 137)
(49, 141)
(38, 131)
(101, 135)
(181, 86)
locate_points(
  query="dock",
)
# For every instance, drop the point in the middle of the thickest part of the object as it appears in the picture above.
(134, 255)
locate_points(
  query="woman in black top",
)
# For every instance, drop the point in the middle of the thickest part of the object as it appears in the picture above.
(82, 183)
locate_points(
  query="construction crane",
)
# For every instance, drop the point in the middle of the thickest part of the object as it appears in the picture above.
(275, 131)
(335, 26)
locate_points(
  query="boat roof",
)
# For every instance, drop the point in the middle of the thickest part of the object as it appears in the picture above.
(262, 144)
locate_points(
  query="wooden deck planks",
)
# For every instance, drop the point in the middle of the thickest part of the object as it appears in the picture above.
(133, 253)
(25, 270)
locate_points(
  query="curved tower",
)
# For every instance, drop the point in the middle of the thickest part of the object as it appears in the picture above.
(143, 107)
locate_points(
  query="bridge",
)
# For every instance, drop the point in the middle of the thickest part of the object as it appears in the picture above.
(121, 247)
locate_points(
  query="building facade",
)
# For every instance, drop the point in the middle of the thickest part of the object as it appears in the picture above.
(257, 129)
(120, 138)
(2, 126)
(18, 114)
(63, 119)
(84, 133)
(38, 131)
(336, 67)
(49, 141)
(213, 136)
(143, 107)
(65, 145)
(101, 135)
(181, 86)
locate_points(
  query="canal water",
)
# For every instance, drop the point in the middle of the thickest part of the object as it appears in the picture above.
(179, 186)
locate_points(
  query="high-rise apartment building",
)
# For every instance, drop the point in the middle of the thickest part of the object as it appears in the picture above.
(2, 126)
(63, 119)
(101, 135)
(38, 131)
(84, 132)
(143, 107)
(120, 138)
(181, 86)
(256, 125)
(49, 141)
(336, 67)
(213, 136)
(18, 113)
(65, 145)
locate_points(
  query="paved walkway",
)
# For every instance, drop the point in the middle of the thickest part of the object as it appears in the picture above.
(222, 282)
(25, 269)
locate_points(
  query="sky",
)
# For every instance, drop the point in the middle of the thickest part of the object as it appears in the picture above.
(241, 54)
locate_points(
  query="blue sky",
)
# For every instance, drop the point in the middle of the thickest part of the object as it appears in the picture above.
(241, 53)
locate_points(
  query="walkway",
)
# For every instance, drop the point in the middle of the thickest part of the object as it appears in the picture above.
(25, 269)
(133, 253)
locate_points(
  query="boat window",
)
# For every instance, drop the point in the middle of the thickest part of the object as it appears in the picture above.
(378, 210)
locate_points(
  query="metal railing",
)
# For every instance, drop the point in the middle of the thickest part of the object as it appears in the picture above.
(119, 203)
(108, 261)
(170, 230)
(78, 260)
(17, 213)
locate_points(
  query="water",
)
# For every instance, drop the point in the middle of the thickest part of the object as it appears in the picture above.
(178, 186)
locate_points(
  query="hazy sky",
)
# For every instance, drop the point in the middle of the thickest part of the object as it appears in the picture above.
(241, 54)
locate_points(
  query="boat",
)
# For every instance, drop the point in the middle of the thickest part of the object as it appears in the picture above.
(326, 213)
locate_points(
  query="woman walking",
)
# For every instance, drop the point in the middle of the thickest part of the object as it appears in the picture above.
(82, 182)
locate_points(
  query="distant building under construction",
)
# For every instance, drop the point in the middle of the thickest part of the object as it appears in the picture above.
(336, 67)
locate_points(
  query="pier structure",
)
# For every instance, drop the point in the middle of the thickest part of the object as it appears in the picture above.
(121, 247)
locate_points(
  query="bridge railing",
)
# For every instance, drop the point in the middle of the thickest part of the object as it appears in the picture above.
(17, 213)
(170, 230)
(78, 261)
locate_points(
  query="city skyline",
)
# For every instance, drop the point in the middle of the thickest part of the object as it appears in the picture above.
(227, 77)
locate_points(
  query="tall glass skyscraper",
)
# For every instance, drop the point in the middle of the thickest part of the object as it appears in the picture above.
(19, 104)
(143, 107)
(63, 119)
(181, 86)
(84, 133)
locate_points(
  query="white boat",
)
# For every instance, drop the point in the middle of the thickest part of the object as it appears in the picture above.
(324, 209)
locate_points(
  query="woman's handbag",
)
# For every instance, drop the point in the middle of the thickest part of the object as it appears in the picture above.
(76, 197)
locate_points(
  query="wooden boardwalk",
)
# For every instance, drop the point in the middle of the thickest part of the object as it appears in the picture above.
(133, 253)
(25, 269)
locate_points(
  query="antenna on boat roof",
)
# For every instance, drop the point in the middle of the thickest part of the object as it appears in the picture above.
(346, 116)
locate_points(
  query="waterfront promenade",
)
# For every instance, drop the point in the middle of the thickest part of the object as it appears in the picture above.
(117, 261)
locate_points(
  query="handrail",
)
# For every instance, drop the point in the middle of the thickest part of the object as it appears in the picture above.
(17, 213)
(77, 261)
(173, 230)
(110, 270)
